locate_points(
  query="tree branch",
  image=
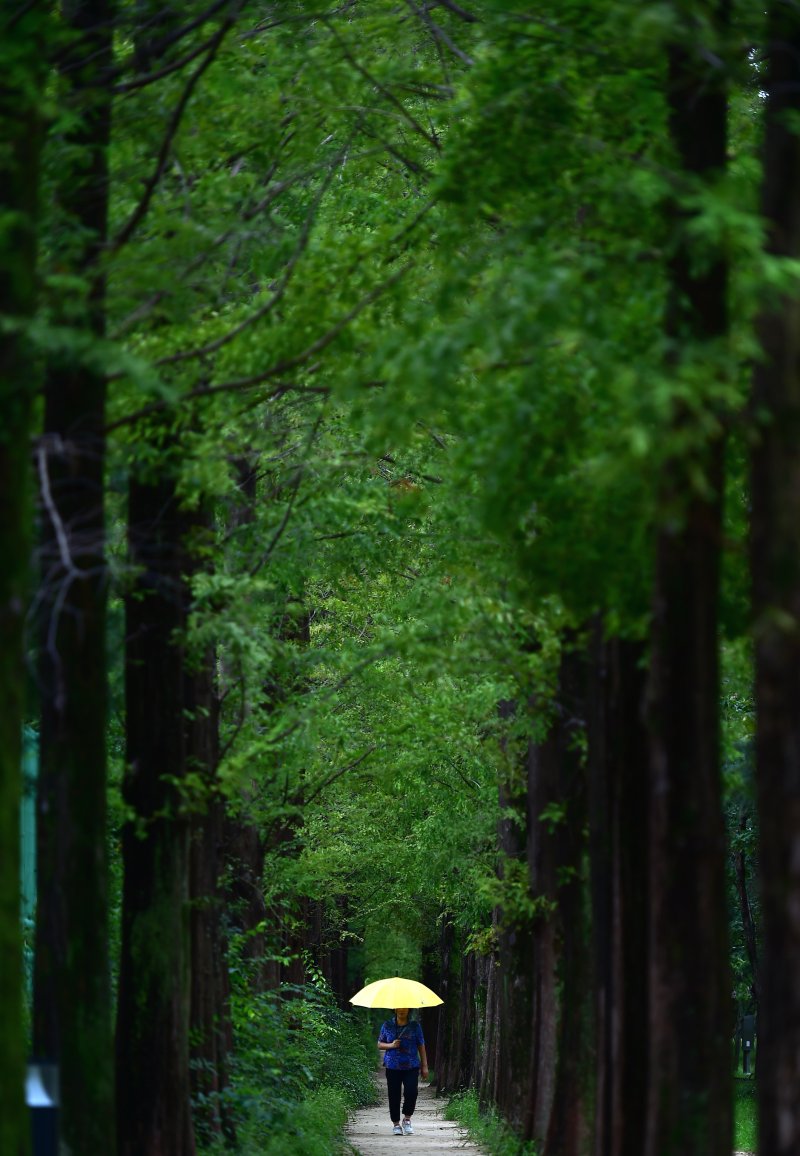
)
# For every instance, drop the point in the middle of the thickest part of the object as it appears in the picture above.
(139, 213)
(266, 308)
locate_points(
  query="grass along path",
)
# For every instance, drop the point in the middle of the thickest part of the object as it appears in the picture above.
(370, 1130)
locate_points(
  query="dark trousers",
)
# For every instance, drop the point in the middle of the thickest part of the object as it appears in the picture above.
(406, 1079)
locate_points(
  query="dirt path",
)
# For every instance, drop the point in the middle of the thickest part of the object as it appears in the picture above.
(370, 1130)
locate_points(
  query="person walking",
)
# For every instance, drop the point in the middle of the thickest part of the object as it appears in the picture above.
(404, 1057)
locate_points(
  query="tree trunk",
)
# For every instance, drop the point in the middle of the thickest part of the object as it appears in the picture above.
(689, 1104)
(153, 1087)
(210, 1022)
(775, 548)
(749, 933)
(456, 1030)
(72, 996)
(22, 39)
(516, 965)
(571, 1115)
(619, 850)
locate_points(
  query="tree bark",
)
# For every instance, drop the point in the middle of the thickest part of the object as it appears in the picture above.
(456, 1041)
(689, 1102)
(153, 1086)
(775, 561)
(619, 850)
(209, 1021)
(527, 955)
(749, 933)
(571, 1113)
(72, 994)
(22, 41)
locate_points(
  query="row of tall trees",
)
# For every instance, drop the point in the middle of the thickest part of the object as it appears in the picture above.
(384, 374)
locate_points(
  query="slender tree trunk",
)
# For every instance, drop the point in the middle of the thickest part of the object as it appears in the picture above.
(153, 1087)
(689, 1104)
(749, 933)
(619, 841)
(447, 988)
(776, 594)
(22, 37)
(487, 1068)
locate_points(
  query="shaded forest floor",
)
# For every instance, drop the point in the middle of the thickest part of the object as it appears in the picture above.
(370, 1130)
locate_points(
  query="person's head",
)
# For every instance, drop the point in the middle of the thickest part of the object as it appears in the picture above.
(401, 1014)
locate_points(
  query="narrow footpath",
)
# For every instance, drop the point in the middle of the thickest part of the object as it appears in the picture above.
(370, 1130)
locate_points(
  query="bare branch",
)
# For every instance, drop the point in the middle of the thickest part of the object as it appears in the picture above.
(62, 538)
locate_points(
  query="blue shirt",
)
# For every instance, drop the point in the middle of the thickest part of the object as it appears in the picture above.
(411, 1039)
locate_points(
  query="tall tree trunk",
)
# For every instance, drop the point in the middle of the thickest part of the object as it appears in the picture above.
(528, 945)
(568, 1130)
(456, 1029)
(516, 939)
(210, 1023)
(776, 594)
(22, 36)
(749, 933)
(153, 1087)
(619, 849)
(689, 1104)
(72, 996)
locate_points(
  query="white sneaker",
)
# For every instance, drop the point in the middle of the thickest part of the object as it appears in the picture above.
(407, 1129)
(398, 1131)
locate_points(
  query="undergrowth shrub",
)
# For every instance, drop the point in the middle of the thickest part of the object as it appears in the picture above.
(300, 1064)
(487, 1128)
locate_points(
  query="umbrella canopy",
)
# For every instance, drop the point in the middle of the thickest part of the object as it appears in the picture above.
(395, 992)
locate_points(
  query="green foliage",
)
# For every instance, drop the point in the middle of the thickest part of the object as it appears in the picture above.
(745, 1136)
(311, 1127)
(300, 1065)
(486, 1127)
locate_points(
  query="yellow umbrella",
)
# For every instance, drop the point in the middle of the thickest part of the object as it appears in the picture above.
(394, 993)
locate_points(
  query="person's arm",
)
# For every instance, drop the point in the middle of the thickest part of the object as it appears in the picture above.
(423, 1062)
(383, 1043)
